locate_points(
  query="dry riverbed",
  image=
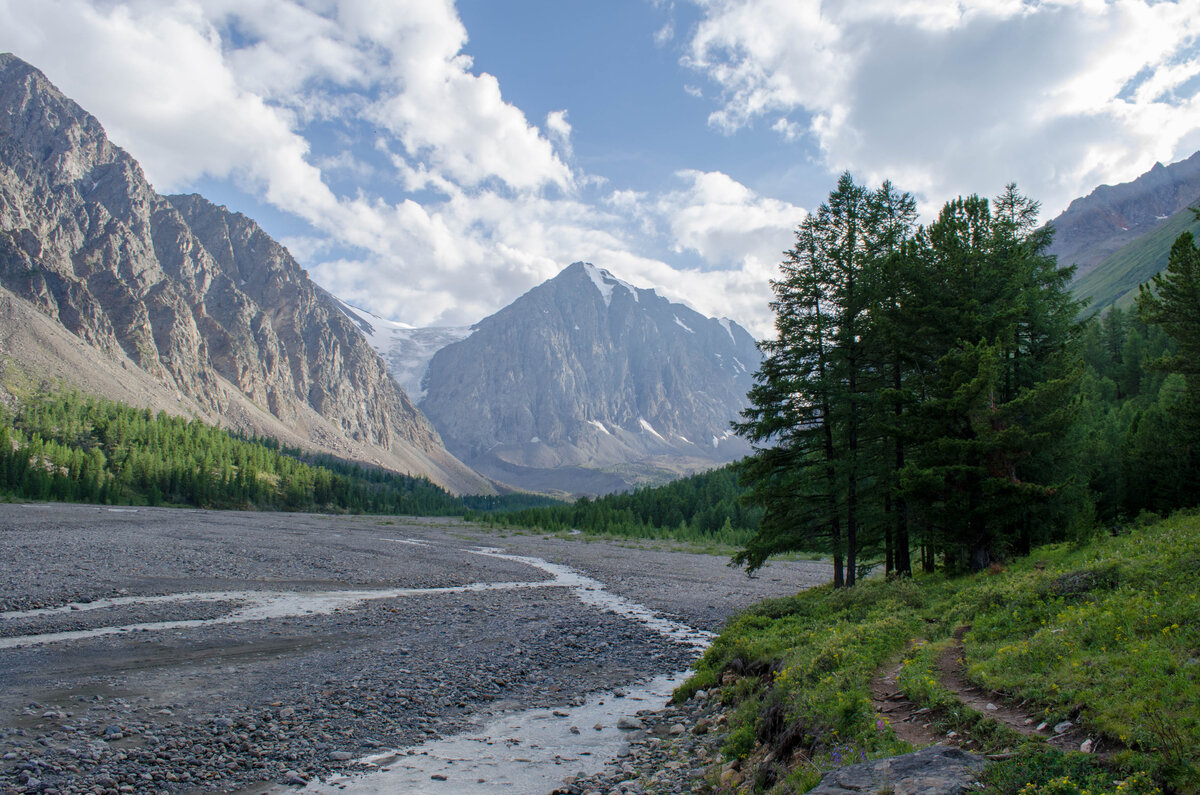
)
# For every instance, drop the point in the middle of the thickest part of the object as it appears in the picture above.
(168, 650)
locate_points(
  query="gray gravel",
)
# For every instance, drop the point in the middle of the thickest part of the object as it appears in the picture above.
(222, 707)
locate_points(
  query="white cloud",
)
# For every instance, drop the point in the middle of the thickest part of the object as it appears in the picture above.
(725, 222)
(665, 34)
(558, 128)
(963, 95)
(484, 205)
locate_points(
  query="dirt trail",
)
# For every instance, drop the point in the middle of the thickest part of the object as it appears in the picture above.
(909, 721)
(1015, 716)
(912, 723)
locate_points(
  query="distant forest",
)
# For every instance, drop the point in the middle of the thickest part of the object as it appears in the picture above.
(75, 448)
(708, 507)
(933, 389)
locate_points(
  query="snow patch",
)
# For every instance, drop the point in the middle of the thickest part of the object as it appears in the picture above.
(727, 324)
(534, 440)
(1162, 217)
(716, 440)
(600, 427)
(649, 428)
(605, 282)
(683, 325)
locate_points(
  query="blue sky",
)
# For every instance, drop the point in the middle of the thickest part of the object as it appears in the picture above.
(431, 160)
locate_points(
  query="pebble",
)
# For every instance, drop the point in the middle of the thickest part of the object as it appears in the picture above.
(418, 667)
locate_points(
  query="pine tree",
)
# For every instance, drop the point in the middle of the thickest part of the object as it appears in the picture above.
(1173, 303)
(818, 455)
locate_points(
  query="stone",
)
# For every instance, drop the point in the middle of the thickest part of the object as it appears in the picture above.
(579, 341)
(341, 756)
(936, 770)
(991, 707)
(193, 300)
(1065, 726)
(1086, 746)
(630, 724)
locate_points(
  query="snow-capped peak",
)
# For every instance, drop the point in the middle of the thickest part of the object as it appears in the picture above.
(605, 282)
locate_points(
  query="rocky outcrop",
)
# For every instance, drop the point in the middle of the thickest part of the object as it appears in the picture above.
(936, 770)
(588, 384)
(199, 299)
(1111, 216)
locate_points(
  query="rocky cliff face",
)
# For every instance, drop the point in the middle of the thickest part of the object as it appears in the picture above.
(588, 384)
(1111, 216)
(199, 299)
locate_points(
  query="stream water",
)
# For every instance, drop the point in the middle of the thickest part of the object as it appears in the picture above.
(527, 751)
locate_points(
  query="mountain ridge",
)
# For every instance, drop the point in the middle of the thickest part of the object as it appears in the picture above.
(1096, 226)
(219, 317)
(589, 384)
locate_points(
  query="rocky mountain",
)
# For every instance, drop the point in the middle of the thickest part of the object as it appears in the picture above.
(175, 303)
(587, 384)
(406, 349)
(1111, 217)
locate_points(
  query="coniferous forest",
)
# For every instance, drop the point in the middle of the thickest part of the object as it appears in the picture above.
(937, 389)
(934, 396)
(69, 447)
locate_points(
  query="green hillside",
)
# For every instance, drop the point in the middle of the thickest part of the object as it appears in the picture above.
(1102, 633)
(1115, 280)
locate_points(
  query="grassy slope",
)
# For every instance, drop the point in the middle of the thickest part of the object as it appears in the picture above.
(1106, 634)
(1116, 279)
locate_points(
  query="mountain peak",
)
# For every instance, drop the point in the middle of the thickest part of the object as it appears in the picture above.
(561, 391)
(605, 282)
(199, 305)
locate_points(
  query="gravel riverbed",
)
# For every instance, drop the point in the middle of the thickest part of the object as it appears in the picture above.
(319, 639)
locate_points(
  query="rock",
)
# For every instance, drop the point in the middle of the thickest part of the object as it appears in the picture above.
(702, 726)
(936, 770)
(292, 777)
(730, 778)
(1086, 746)
(590, 351)
(1041, 727)
(677, 729)
(341, 756)
(630, 724)
(991, 707)
(183, 298)
(1065, 726)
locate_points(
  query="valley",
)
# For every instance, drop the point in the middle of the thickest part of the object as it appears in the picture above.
(184, 651)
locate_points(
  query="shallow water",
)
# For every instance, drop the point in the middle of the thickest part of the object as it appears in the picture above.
(533, 750)
(526, 752)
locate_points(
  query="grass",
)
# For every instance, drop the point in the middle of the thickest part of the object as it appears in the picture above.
(1105, 633)
(1116, 279)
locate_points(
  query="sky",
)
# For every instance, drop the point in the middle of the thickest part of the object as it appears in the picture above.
(431, 160)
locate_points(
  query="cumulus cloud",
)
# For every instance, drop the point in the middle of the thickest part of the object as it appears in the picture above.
(227, 89)
(963, 96)
(725, 222)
